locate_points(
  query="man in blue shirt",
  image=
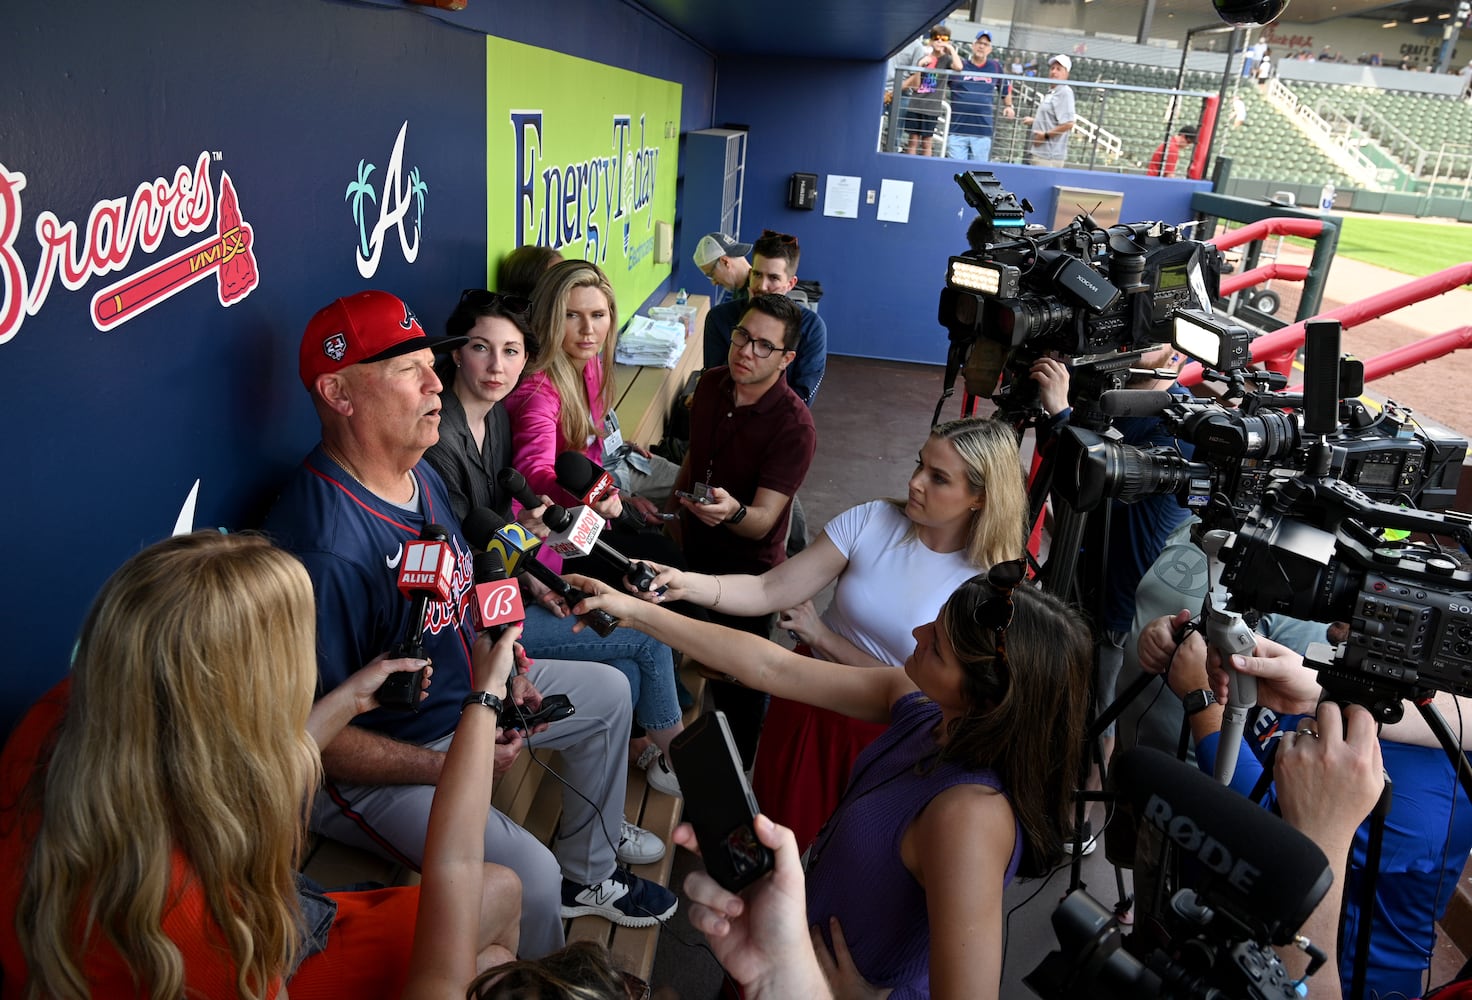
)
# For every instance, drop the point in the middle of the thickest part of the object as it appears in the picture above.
(974, 103)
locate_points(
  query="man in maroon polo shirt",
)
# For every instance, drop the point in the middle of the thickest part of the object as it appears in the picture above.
(751, 442)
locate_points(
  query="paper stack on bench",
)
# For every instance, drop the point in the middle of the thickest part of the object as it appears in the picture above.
(651, 342)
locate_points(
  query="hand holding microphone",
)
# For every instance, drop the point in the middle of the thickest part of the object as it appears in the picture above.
(585, 479)
(426, 567)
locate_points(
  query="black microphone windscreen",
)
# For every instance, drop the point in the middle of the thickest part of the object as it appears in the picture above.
(515, 483)
(1135, 402)
(1254, 866)
(576, 471)
(481, 525)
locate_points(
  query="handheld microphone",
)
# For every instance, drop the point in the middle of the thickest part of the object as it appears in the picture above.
(575, 533)
(425, 569)
(580, 475)
(1254, 868)
(487, 530)
(515, 483)
(1136, 402)
(497, 598)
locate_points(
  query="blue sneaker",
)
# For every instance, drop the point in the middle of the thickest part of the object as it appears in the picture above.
(623, 898)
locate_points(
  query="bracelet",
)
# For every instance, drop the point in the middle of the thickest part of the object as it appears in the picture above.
(717, 602)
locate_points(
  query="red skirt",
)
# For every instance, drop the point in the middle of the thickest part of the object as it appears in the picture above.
(803, 763)
(368, 947)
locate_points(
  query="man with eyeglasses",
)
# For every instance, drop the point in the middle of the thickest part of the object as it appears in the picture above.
(974, 103)
(723, 260)
(751, 442)
(773, 271)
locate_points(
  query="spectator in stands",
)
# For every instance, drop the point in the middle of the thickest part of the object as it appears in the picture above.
(474, 446)
(521, 268)
(965, 508)
(347, 512)
(971, 783)
(1239, 112)
(149, 858)
(773, 271)
(564, 401)
(927, 88)
(751, 442)
(723, 260)
(1265, 67)
(1163, 161)
(974, 103)
(1054, 118)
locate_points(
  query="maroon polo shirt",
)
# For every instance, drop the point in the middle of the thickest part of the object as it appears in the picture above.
(742, 449)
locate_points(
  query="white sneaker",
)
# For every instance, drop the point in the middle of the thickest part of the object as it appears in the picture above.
(657, 771)
(637, 846)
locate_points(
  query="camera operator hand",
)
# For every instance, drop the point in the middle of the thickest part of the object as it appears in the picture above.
(1284, 684)
(1051, 375)
(1157, 641)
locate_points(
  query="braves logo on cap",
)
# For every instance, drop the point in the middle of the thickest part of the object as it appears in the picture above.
(409, 319)
(335, 346)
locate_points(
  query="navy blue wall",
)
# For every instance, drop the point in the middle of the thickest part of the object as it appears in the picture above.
(880, 280)
(106, 432)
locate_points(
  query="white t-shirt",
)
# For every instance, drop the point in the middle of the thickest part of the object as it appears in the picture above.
(892, 584)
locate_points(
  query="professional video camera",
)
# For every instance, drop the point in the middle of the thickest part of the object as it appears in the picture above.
(1243, 881)
(1021, 291)
(1240, 452)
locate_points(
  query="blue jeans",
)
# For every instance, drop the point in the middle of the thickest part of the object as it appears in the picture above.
(969, 147)
(647, 663)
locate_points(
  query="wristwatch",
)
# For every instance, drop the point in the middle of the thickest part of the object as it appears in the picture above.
(737, 517)
(487, 699)
(1198, 701)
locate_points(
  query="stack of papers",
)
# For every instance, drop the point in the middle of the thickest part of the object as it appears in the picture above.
(651, 342)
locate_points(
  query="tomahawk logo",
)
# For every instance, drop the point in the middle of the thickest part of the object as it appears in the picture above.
(184, 204)
(398, 196)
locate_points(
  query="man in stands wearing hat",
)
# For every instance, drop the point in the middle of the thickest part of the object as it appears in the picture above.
(1167, 154)
(723, 260)
(1054, 118)
(347, 512)
(974, 93)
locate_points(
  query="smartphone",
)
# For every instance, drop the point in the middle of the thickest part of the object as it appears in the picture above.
(694, 497)
(555, 707)
(719, 803)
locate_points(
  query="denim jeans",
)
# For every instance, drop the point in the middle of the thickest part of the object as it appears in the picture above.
(969, 147)
(647, 663)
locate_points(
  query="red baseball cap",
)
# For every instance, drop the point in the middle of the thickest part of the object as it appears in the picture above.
(368, 326)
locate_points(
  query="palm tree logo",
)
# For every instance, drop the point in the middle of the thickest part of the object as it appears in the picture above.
(418, 188)
(359, 188)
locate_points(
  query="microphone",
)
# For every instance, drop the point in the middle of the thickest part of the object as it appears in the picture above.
(497, 598)
(425, 569)
(580, 475)
(575, 533)
(515, 547)
(1254, 868)
(515, 483)
(1135, 402)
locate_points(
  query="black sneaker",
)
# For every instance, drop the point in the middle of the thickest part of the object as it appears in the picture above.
(623, 897)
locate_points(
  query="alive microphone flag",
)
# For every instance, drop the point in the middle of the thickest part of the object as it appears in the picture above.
(426, 570)
(426, 566)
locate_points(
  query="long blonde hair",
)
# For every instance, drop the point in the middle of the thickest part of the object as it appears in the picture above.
(575, 421)
(185, 731)
(988, 450)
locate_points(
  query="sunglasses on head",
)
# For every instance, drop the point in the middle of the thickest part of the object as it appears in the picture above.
(772, 234)
(480, 298)
(995, 610)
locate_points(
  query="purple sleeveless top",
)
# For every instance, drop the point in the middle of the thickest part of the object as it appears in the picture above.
(854, 869)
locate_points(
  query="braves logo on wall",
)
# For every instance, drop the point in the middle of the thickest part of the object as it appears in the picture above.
(185, 204)
(400, 193)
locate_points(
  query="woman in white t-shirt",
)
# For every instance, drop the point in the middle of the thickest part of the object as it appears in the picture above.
(894, 562)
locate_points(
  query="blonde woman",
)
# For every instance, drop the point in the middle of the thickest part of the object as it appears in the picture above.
(153, 804)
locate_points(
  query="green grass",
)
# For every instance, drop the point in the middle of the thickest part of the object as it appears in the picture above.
(1414, 248)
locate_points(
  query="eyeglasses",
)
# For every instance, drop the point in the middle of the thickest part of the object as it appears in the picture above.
(995, 611)
(740, 337)
(479, 298)
(709, 270)
(783, 238)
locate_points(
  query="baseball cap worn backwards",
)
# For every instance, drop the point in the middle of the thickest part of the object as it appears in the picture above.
(713, 246)
(368, 326)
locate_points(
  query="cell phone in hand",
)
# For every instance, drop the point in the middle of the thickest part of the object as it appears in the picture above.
(719, 803)
(700, 494)
(555, 707)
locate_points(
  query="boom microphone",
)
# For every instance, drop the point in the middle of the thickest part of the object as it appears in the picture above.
(1255, 868)
(580, 475)
(1136, 402)
(426, 566)
(516, 548)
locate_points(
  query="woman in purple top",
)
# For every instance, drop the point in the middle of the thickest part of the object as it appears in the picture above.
(971, 783)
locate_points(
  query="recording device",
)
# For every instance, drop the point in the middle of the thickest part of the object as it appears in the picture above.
(699, 493)
(1021, 291)
(516, 548)
(497, 597)
(1249, 881)
(719, 803)
(585, 478)
(426, 567)
(515, 483)
(555, 708)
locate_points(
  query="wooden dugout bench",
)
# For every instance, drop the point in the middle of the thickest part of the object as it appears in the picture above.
(527, 793)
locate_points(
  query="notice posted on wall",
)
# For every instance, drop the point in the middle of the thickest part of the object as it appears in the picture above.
(841, 199)
(894, 200)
